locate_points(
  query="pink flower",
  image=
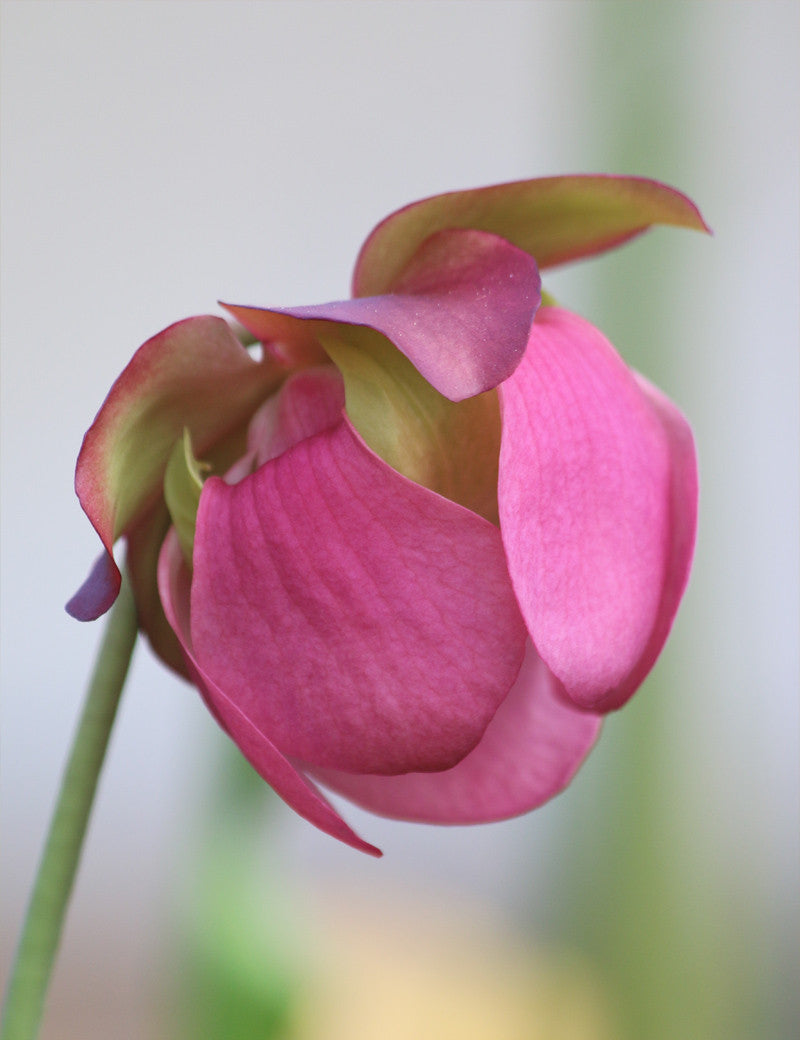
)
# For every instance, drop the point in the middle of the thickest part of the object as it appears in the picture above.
(445, 530)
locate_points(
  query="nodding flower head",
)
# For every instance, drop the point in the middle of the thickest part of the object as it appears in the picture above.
(417, 549)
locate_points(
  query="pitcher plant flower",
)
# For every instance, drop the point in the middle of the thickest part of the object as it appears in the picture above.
(418, 547)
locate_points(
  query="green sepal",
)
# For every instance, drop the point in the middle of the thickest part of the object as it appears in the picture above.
(555, 219)
(450, 448)
(183, 482)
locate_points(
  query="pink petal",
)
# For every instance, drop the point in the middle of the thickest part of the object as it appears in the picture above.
(310, 401)
(195, 373)
(266, 759)
(555, 219)
(598, 493)
(360, 620)
(683, 524)
(529, 752)
(460, 310)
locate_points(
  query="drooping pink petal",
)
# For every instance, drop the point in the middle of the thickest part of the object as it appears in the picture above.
(530, 751)
(597, 495)
(459, 309)
(361, 621)
(555, 219)
(195, 373)
(291, 784)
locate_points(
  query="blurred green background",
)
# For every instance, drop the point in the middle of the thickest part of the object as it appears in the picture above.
(159, 156)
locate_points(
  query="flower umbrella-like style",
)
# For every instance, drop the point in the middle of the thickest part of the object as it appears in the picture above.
(437, 530)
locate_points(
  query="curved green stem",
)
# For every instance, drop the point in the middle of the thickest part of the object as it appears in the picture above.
(41, 932)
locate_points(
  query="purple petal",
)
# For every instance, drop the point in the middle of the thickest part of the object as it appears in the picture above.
(460, 311)
(98, 592)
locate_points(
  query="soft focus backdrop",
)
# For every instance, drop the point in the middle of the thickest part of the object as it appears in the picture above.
(157, 157)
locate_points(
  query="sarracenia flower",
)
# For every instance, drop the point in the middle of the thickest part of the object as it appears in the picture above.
(417, 548)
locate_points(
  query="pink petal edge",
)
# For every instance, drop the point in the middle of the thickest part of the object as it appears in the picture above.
(598, 498)
(530, 751)
(684, 490)
(287, 781)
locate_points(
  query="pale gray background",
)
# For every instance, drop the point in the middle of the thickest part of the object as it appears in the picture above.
(160, 156)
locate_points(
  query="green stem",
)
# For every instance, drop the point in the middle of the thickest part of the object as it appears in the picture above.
(41, 932)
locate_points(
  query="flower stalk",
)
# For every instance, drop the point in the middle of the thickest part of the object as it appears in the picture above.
(44, 920)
